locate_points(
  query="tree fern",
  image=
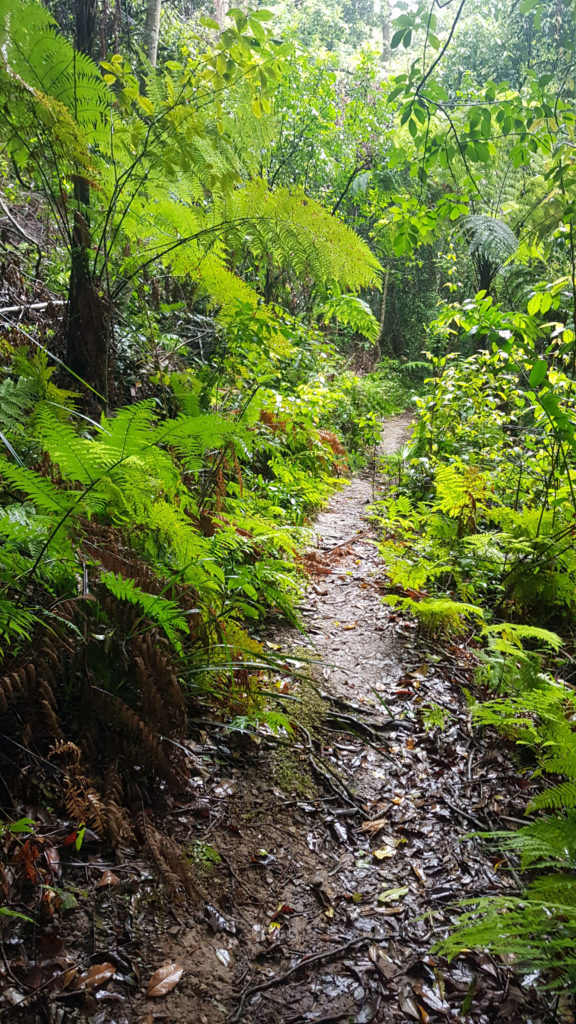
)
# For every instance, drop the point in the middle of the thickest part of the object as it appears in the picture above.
(490, 244)
(353, 312)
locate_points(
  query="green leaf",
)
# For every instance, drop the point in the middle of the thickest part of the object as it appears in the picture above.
(538, 372)
(6, 912)
(210, 23)
(396, 92)
(391, 895)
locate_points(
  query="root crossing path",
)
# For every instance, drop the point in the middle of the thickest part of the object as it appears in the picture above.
(331, 864)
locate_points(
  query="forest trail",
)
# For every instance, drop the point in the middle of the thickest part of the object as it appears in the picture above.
(328, 867)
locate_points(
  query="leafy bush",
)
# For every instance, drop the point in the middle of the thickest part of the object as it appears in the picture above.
(478, 532)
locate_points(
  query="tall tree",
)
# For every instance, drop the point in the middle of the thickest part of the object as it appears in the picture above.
(87, 313)
(152, 31)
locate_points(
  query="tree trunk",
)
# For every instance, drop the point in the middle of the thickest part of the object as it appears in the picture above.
(220, 8)
(87, 322)
(381, 333)
(153, 9)
(385, 13)
(85, 25)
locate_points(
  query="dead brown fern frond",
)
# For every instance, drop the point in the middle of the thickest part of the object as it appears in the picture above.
(170, 861)
(149, 748)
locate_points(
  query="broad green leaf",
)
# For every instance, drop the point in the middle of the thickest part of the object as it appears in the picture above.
(538, 373)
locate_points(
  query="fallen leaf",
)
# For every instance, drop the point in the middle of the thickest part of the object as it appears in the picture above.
(99, 974)
(373, 826)
(409, 1007)
(419, 874)
(13, 996)
(53, 858)
(107, 878)
(282, 908)
(384, 852)
(391, 895)
(164, 980)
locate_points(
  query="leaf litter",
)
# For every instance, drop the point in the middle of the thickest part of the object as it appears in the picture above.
(324, 867)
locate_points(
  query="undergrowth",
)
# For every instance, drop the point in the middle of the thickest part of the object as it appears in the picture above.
(478, 539)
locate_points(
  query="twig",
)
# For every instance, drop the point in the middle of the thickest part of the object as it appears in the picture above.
(464, 814)
(364, 739)
(344, 543)
(279, 979)
(334, 782)
(32, 305)
(329, 775)
(24, 234)
(338, 717)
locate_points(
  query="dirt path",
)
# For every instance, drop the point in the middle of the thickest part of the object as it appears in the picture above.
(328, 866)
(345, 855)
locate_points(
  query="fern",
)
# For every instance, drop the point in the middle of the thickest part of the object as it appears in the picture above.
(438, 613)
(165, 613)
(538, 928)
(557, 797)
(515, 633)
(548, 842)
(352, 312)
(490, 244)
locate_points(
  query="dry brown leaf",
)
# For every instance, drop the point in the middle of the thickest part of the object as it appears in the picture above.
(107, 878)
(99, 974)
(164, 980)
(373, 826)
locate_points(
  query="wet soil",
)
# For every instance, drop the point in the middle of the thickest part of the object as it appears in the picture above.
(326, 866)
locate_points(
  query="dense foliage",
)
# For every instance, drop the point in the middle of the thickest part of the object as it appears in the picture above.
(203, 255)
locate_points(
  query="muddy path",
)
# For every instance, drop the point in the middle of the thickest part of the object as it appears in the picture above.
(327, 866)
(343, 853)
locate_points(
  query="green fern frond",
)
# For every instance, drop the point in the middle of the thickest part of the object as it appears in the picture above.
(537, 928)
(489, 239)
(38, 488)
(558, 797)
(438, 613)
(165, 613)
(353, 312)
(548, 842)
(16, 623)
(516, 632)
(36, 52)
